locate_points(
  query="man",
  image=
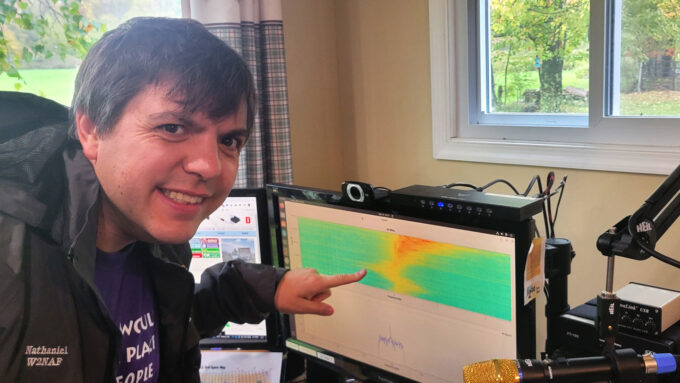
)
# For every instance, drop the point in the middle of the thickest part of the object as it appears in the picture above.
(94, 226)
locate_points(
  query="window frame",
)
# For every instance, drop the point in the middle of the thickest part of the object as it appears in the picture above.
(608, 143)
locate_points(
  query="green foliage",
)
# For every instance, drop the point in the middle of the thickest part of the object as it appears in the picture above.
(548, 27)
(553, 31)
(48, 27)
(650, 29)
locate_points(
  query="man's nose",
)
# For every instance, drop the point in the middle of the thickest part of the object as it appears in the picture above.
(203, 158)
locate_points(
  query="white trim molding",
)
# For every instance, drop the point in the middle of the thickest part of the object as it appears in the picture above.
(624, 158)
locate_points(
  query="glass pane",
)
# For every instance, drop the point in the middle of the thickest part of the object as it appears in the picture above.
(647, 73)
(537, 56)
(49, 74)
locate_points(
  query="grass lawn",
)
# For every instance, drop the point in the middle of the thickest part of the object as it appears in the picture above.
(664, 103)
(654, 103)
(55, 84)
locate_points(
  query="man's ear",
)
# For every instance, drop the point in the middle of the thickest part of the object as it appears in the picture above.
(87, 134)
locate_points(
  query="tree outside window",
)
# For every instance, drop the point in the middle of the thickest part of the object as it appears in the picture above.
(42, 42)
(647, 70)
(539, 55)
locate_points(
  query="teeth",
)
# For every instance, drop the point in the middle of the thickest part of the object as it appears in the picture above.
(182, 198)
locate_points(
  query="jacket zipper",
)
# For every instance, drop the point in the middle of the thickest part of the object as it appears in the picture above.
(69, 254)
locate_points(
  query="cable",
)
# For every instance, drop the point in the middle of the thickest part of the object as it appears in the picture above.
(461, 184)
(531, 184)
(549, 180)
(545, 216)
(544, 194)
(557, 190)
(497, 181)
(559, 200)
(382, 188)
(634, 234)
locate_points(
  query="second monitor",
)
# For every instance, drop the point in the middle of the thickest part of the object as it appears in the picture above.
(238, 229)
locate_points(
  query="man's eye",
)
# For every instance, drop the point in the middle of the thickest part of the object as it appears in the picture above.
(172, 128)
(231, 142)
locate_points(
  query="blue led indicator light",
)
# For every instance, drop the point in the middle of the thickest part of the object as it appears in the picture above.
(440, 204)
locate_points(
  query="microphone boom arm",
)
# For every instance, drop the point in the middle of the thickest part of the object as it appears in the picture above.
(635, 236)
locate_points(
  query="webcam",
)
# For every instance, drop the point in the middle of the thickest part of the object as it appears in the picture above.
(357, 192)
(360, 193)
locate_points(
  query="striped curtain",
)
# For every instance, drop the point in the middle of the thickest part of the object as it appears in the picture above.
(254, 28)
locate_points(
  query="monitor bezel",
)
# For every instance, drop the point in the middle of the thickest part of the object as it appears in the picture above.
(273, 341)
(522, 231)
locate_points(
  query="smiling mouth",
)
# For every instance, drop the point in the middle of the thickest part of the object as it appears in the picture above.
(182, 198)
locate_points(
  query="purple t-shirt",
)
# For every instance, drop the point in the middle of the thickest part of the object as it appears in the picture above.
(124, 284)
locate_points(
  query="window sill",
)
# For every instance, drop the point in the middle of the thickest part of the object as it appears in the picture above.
(622, 158)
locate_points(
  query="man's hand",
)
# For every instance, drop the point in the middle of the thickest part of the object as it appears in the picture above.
(302, 291)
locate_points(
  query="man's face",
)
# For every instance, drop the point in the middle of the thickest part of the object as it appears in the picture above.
(163, 170)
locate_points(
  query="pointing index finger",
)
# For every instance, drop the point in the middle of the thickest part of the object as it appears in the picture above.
(344, 279)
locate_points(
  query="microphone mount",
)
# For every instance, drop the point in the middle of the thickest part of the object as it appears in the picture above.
(635, 237)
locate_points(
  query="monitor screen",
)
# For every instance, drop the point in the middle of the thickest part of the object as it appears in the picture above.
(236, 230)
(436, 297)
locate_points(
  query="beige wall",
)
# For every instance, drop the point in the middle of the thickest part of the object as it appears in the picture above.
(360, 96)
(311, 56)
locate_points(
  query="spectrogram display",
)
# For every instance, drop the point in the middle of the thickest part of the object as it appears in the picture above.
(435, 271)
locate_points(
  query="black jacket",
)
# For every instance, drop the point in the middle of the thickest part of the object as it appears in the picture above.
(53, 325)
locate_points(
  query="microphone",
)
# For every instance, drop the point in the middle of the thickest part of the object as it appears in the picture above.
(623, 365)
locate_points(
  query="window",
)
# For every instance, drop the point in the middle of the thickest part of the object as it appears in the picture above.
(492, 101)
(532, 59)
(52, 76)
(644, 60)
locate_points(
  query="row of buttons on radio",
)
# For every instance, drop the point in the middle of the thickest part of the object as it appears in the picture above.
(450, 206)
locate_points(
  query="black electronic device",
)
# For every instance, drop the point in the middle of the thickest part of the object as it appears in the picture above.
(459, 204)
(579, 336)
(647, 310)
(437, 294)
(558, 256)
(238, 229)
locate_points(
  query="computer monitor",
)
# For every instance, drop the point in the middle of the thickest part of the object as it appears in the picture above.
(238, 229)
(437, 295)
